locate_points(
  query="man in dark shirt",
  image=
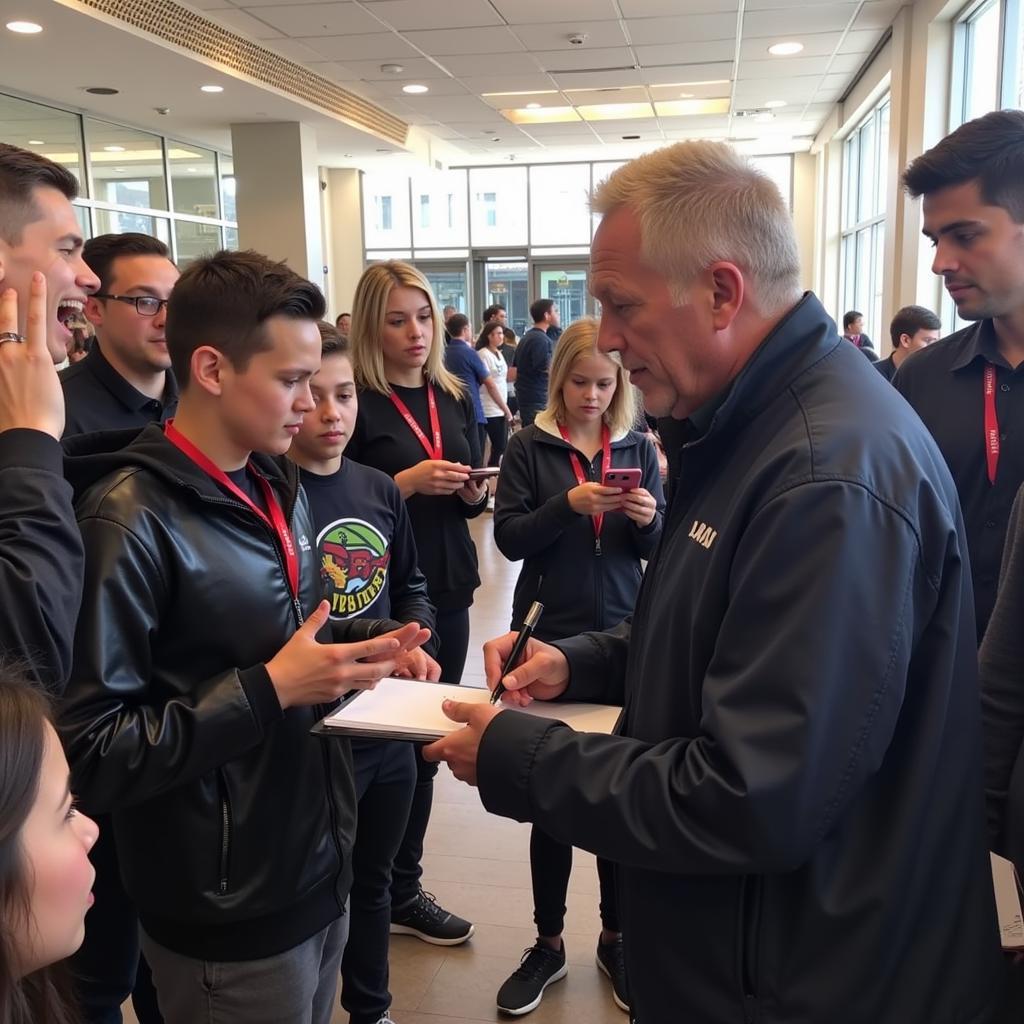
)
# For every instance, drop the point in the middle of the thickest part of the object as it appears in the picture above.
(969, 387)
(533, 359)
(853, 332)
(125, 380)
(464, 361)
(912, 329)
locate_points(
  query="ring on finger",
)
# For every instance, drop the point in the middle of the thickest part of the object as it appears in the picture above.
(11, 336)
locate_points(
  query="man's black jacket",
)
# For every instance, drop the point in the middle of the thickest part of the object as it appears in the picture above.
(795, 796)
(234, 826)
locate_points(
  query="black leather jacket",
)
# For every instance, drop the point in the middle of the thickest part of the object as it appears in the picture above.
(234, 826)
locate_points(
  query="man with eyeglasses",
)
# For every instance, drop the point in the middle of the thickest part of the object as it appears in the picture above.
(125, 381)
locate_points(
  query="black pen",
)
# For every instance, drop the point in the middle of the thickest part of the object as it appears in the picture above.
(529, 625)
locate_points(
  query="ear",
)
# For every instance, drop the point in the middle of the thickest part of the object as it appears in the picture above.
(94, 311)
(905, 340)
(208, 367)
(728, 290)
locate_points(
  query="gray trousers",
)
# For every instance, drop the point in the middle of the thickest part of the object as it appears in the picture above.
(294, 987)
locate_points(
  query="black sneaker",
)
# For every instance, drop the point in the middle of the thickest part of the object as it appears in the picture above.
(422, 917)
(523, 991)
(612, 961)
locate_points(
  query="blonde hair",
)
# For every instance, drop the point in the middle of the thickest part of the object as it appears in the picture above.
(370, 306)
(578, 341)
(700, 202)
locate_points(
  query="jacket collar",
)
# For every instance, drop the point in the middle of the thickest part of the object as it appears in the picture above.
(546, 422)
(802, 338)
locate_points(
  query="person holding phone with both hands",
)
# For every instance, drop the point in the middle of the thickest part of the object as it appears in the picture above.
(581, 543)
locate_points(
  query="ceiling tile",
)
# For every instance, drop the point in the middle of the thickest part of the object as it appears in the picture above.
(454, 42)
(694, 28)
(770, 5)
(672, 74)
(486, 65)
(847, 63)
(636, 94)
(553, 99)
(597, 79)
(416, 70)
(578, 129)
(456, 109)
(249, 26)
(443, 131)
(861, 42)
(437, 87)
(818, 44)
(312, 19)
(682, 134)
(660, 8)
(780, 69)
(878, 13)
(586, 60)
(408, 15)
(210, 5)
(676, 92)
(798, 20)
(650, 135)
(686, 53)
(295, 50)
(555, 35)
(382, 46)
(527, 12)
(538, 82)
(796, 90)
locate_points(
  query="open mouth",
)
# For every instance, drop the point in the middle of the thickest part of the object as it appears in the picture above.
(71, 315)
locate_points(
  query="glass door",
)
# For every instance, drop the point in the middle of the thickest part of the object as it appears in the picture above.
(566, 284)
(449, 282)
(505, 281)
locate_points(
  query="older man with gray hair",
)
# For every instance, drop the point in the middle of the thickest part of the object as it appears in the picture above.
(794, 792)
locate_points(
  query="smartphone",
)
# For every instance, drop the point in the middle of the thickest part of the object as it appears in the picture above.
(627, 479)
(483, 473)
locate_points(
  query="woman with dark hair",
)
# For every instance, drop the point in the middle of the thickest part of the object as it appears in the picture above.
(489, 344)
(45, 875)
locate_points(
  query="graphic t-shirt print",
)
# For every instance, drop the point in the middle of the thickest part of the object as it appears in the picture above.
(354, 559)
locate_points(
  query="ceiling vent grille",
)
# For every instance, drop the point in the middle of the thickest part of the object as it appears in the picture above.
(190, 31)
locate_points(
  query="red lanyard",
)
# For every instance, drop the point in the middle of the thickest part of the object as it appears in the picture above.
(991, 423)
(437, 450)
(276, 521)
(606, 464)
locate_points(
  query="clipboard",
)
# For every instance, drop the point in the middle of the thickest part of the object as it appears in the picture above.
(410, 710)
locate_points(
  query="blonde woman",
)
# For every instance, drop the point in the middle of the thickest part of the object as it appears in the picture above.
(417, 424)
(581, 545)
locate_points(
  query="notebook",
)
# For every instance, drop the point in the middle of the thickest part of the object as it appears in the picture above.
(409, 709)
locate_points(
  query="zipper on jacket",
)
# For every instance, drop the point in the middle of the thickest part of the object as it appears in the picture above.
(225, 834)
(750, 931)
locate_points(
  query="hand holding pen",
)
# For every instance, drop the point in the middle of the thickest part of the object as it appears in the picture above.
(529, 624)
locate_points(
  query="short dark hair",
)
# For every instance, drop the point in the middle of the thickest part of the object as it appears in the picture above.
(457, 323)
(540, 308)
(21, 172)
(224, 300)
(989, 149)
(100, 252)
(850, 316)
(492, 311)
(332, 343)
(910, 320)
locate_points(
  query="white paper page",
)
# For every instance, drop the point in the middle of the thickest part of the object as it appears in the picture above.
(1011, 921)
(410, 706)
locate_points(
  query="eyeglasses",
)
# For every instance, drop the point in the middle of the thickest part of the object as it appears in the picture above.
(145, 305)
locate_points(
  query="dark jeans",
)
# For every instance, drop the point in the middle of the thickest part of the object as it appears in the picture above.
(528, 412)
(107, 967)
(497, 431)
(453, 634)
(385, 775)
(550, 866)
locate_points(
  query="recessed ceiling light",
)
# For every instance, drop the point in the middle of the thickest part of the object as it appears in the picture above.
(211, 88)
(36, 142)
(113, 149)
(24, 28)
(392, 69)
(785, 49)
(775, 104)
(533, 106)
(415, 89)
(686, 95)
(102, 90)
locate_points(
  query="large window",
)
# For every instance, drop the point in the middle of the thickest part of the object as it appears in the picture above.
(132, 180)
(976, 62)
(865, 159)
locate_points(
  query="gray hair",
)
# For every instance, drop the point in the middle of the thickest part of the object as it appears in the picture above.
(701, 202)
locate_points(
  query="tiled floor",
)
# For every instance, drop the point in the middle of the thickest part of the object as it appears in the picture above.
(478, 866)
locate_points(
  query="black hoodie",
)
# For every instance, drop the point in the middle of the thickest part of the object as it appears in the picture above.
(234, 826)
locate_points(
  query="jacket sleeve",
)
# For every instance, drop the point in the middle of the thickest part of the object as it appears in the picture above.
(796, 714)
(469, 427)
(41, 557)
(524, 522)
(124, 745)
(645, 538)
(1001, 666)
(597, 664)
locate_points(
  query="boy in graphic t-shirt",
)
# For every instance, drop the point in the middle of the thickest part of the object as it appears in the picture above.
(367, 558)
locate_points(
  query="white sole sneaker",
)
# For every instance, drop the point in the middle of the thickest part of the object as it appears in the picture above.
(604, 970)
(557, 976)
(404, 929)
